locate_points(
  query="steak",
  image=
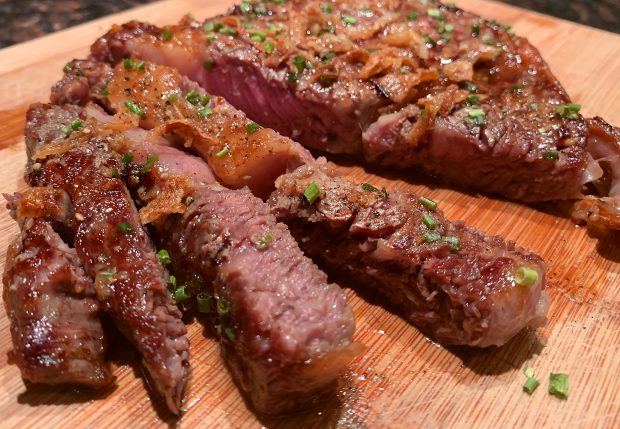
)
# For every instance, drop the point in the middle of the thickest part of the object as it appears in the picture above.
(114, 249)
(401, 84)
(286, 333)
(454, 283)
(50, 301)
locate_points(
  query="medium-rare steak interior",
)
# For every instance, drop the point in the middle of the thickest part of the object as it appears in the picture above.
(404, 84)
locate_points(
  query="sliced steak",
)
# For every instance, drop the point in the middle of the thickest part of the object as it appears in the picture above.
(50, 301)
(111, 244)
(158, 98)
(454, 283)
(286, 333)
(400, 84)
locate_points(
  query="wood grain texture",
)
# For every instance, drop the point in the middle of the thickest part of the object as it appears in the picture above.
(403, 380)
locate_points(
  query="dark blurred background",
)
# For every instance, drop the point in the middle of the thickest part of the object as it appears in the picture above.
(24, 20)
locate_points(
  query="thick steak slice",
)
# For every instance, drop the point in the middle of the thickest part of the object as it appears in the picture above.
(402, 84)
(286, 332)
(160, 99)
(454, 283)
(50, 301)
(110, 242)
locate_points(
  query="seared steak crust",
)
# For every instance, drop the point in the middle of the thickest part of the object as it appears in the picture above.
(114, 249)
(454, 283)
(50, 301)
(402, 85)
(286, 332)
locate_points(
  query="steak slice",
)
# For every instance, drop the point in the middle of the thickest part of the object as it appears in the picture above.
(158, 98)
(400, 84)
(454, 283)
(50, 301)
(286, 333)
(110, 242)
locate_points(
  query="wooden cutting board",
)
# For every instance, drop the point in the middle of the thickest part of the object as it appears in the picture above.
(403, 380)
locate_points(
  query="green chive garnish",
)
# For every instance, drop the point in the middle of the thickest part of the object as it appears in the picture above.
(368, 187)
(431, 236)
(477, 116)
(166, 34)
(193, 97)
(128, 63)
(265, 240)
(530, 385)
(412, 16)
(223, 307)
(172, 98)
(140, 66)
(348, 20)
(76, 125)
(228, 331)
(204, 302)
(180, 294)
(223, 152)
(526, 276)
(252, 127)
(68, 67)
(558, 385)
(428, 221)
(228, 31)
(552, 155)
(453, 242)
(312, 193)
(569, 111)
(434, 13)
(127, 158)
(475, 30)
(258, 36)
(269, 47)
(115, 173)
(470, 87)
(172, 281)
(150, 161)
(134, 108)
(428, 203)
(164, 257)
(245, 7)
(473, 100)
(205, 111)
(125, 227)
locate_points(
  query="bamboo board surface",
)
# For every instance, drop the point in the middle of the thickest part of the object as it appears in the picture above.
(403, 380)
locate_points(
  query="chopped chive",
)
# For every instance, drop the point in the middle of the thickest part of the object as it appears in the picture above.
(473, 100)
(65, 129)
(258, 36)
(164, 257)
(105, 91)
(140, 66)
(150, 161)
(223, 307)
(109, 273)
(193, 97)
(228, 331)
(76, 125)
(207, 64)
(211, 37)
(453, 241)
(431, 236)
(300, 63)
(204, 99)
(530, 385)
(180, 294)
(368, 187)
(327, 81)
(327, 8)
(534, 106)
(526, 276)
(470, 87)
(204, 302)
(558, 384)
(475, 30)
(348, 19)
(68, 67)
(115, 173)
(265, 240)
(292, 77)
(245, 7)
(128, 63)
(429, 221)
(569, 111)
(228, 31)
(134, 108)
(127, 158)
(252, 127)
(434, 13)
(125, 227)
(328, 56)
(428, 203)
(477, 116)
(205, 111)
(222, 153)
(166, 34)
(385, 192)
(269, 47)
(312, 192)
(412, 16)
(212, 26)
(528, 371)
(172, 98)
(449, 28)
(172, 281)
(552, 155)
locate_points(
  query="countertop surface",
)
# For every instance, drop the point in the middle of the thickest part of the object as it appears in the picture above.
(24, 20)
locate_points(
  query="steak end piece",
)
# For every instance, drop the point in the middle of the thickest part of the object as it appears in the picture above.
(454, 283)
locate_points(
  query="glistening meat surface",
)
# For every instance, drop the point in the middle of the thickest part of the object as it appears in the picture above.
(402, 85)
(454, 283)
(110, 242)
